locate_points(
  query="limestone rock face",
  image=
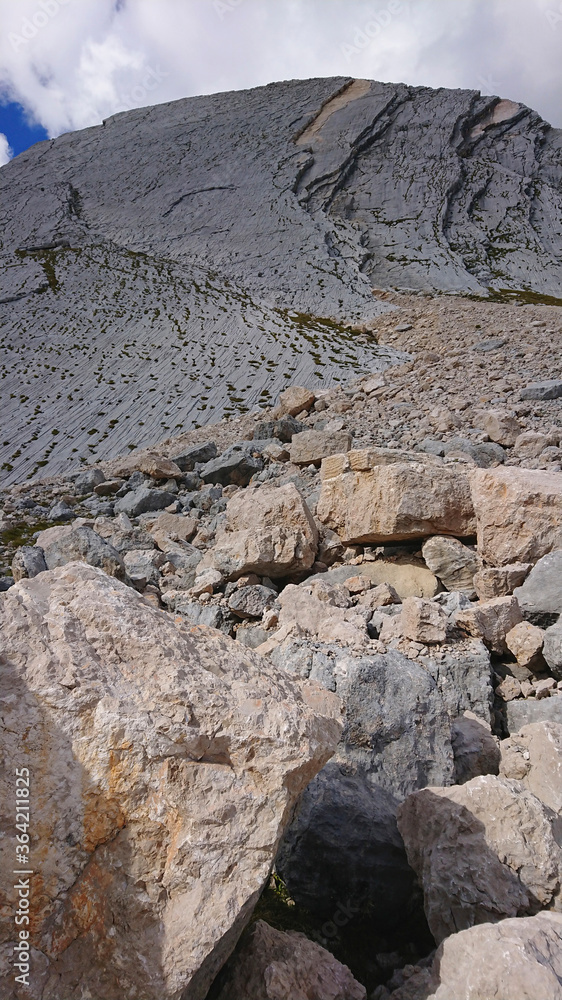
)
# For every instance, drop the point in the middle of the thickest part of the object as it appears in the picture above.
(269, 531)
(85, 545)
(542, 590)
(476, 750)
(423, 621)
(552, 649)
(519, 959)
(351, 165)
(518, 514)
(499, 581)
(534, 757)
(295, 399)
(396, 502)
(491, 621)
(286, 965)
(482, 851)
(397, 724)
(452, 562)
(165, 764)
(310, 447)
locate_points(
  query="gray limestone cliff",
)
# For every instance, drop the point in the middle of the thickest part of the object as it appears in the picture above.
(178, 263)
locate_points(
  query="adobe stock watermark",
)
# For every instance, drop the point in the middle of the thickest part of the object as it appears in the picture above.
(380, 19)
(31, 26)
(554, 16)
(343, 913)
(22, 869)
(224, 7)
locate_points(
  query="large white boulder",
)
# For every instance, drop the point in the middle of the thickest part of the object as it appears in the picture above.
(165, 764)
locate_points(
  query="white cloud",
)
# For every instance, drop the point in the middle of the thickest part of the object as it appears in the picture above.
(73, 62)
(6, 152)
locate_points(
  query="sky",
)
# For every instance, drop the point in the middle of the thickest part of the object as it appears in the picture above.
(68, 64)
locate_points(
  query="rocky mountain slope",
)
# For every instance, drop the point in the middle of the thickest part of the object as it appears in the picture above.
(205, 609)
(184, 261)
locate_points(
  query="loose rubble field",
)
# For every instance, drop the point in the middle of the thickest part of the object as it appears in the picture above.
(394, 543)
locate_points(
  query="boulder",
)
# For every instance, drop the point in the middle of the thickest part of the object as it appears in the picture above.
(169, 531)
(343, 851)
(501, 427)
(549, 389)
(397, 727)
(294, 400)
(50, 535)
(475, 749)
(499, 581)
(534, 757)
(235, 466)
(188, 458)
(542, 590)
(251, 602)
(87, 481)
(530, 444)
(452, 562)
(142, 500)
(84, 545)
(517, 959)
(310, 447)
(552, 649)
(395, 502)
(269, 531)
(142, 566)
(282, 429)
(158, 467)
(491, 621)
(518, 514)
(482, 851)
(463, 674)
(286, 965)
(316, 607)
(523, 712)
(525, 641)
(423, 621)
(28, 561)
(210, 615)
(166, 762)
(408, 578)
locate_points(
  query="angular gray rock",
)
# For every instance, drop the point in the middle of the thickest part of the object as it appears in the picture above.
(87, 481)
(351, 181)
(452, 562)
(283, 429)
(28, 561)
(549, 389)
(142, 500)
(552, 649)
(251, 602)
(523, 712)
(187, 458)
(542, 590)
(166, 761)
(476, 751)
(397, 729)
(235, 466)
(482, 851)
(84, 545)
